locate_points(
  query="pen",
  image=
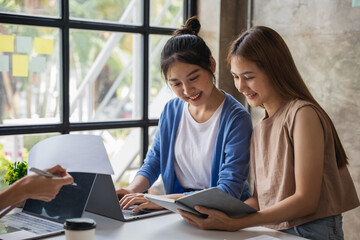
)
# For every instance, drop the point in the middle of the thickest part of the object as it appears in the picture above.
(46, 174)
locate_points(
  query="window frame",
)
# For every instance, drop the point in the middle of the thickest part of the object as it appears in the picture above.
(64, 24)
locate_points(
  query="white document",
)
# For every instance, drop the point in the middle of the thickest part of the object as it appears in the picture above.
(76, 153)
(262, 237)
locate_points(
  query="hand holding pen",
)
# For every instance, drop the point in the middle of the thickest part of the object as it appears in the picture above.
(35, 186)
(46, 174)
(45, 187)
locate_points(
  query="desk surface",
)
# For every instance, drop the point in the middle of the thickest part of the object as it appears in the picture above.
(171, 226)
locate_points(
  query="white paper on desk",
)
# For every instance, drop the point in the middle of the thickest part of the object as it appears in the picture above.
(75, 152)
(262, 237)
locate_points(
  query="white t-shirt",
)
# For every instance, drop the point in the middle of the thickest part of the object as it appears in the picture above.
(194, 147)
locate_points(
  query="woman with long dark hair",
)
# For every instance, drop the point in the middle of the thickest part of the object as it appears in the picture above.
(302, 184)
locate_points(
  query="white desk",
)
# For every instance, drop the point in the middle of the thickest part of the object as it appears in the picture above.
(170, 227)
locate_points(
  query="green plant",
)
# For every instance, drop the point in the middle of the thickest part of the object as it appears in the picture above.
(3, 167)
(15, 171)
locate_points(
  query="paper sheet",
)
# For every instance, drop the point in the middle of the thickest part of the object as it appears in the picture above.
(355, 3)
(4, 63)
(7, 43)
(20, 65)
(262, 237)
(23, 44)
(43, 45)
(76, 153)
(38, 64)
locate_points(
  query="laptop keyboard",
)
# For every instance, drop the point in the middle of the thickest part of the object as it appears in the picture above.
(32, 224)
(130, 213)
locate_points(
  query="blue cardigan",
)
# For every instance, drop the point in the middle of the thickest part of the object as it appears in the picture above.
(230, 161)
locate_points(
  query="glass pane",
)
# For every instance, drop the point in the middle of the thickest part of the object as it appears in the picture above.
(16, 148)
(105, 76)
(39, 8)
(119, 11)
(159, 91)
(29, 75)
(129, 174)
(123, 147)
(166, 13)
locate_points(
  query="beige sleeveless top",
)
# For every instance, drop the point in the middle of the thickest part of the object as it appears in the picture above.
(272, 159)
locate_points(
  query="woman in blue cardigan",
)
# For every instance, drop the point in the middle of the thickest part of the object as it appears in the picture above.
(203, 135)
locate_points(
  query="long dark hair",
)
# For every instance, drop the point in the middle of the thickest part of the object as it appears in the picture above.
(267, 49)
(186, 46)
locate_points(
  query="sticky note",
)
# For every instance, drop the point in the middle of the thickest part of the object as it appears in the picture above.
(20, 65)
(23, 44)
(37, 64)
(6, 43)
(4, 63)
(356, 3)
(44, 46)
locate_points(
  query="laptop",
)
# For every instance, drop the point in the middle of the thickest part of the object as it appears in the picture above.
(41, 219)
(104, 201)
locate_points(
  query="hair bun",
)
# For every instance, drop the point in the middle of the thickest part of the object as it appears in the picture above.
(192, 26)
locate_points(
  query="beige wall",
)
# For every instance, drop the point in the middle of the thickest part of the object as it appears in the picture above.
(324, 38)
(220, 24)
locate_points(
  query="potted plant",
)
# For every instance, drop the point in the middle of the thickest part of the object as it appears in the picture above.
(15, 171)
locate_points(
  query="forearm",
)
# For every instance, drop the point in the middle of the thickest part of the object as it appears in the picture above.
(12, 195)
(290, 208)
(139, 184)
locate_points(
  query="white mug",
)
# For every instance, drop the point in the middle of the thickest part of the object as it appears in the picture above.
(79, 229)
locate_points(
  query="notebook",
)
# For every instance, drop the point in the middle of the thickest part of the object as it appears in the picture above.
(213, 198)
(104, 201)
(41, 219)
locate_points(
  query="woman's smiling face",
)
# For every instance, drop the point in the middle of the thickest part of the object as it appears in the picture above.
(251, 81)
(191, 83)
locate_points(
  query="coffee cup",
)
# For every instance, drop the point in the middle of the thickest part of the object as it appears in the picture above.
(79, 228)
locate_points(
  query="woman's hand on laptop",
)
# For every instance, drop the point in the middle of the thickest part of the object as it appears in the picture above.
(139, 200)
(139, 185)
(121, 192)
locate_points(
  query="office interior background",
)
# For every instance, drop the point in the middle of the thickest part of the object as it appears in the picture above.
(92, 67)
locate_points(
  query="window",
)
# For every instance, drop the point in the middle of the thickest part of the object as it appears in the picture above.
(84, 67)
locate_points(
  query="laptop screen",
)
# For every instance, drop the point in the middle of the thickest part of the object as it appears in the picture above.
(69, 203)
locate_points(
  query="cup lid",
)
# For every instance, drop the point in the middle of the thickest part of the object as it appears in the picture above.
(79, 224)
